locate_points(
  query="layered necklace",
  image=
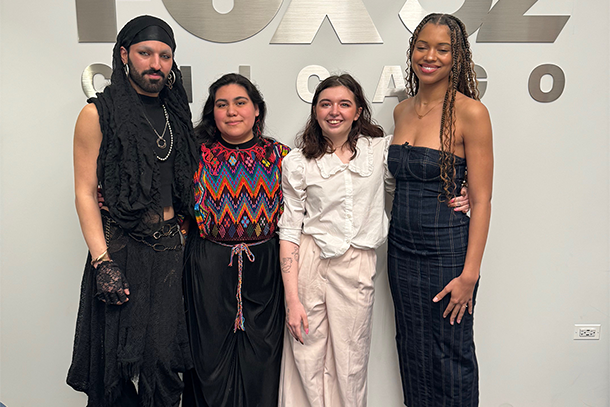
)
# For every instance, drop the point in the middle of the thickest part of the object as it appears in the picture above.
(161, 142)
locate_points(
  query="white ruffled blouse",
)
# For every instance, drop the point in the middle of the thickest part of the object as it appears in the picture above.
(338, 204)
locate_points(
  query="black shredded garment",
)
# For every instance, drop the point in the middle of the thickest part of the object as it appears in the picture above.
(145, 339)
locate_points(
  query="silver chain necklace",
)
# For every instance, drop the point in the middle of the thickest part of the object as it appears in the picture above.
(161, 142)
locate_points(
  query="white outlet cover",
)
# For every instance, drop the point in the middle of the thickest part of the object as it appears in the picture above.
(587, 331)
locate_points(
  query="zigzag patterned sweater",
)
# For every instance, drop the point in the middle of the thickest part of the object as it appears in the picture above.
(238, 194)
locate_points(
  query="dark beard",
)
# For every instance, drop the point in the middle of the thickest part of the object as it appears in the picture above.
(146, 84)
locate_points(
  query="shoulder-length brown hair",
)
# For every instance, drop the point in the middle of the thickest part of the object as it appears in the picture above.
(312, 142)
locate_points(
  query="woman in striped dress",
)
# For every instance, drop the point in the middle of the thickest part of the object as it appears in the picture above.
(435, 252)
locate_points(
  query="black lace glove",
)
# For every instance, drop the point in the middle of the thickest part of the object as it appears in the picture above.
(111, 283)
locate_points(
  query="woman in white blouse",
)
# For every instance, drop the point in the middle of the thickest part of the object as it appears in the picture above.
(333, 221)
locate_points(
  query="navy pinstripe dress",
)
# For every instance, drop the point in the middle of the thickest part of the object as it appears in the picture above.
(426, 250)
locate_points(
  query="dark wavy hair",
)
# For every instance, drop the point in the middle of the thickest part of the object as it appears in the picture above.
(207, 132)
(462, 78)
(312, 142)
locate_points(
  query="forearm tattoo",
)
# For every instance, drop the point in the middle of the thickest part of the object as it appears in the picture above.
(295, 254)
(285, 264)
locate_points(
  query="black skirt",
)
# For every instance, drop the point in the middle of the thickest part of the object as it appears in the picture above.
(233, 367)
(146, 337)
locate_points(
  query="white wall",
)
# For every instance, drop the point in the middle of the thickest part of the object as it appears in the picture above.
(546, 265)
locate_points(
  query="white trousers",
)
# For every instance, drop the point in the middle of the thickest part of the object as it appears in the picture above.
(330, 368)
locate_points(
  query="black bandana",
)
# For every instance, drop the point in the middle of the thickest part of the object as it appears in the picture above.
(146, 28)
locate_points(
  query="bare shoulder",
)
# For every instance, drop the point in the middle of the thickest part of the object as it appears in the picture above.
(473, 120)
(89, 112)
(87, 132)
(469, 109)
(88, 124)
(401, 108)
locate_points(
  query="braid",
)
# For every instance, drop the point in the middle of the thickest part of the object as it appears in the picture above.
(447, 132)
(462, 78)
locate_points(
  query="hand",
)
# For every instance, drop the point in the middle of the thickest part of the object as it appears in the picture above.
(462, 202)
(100, 198)
(112, 286)
(461, 298)
(295, 315)
(184, 227)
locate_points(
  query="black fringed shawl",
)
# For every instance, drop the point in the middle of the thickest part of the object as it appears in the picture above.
(127, 167)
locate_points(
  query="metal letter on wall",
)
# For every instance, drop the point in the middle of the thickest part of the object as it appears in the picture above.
(199, 17)
(245, 70)
(481, 80)
(394, 73)
(303, 80)
(88, 75)
(88, 79)
(187, 81)
(559, 82)
(388, 75)
(506, 22)
(96, 20)
(472, 13)
(349, 18)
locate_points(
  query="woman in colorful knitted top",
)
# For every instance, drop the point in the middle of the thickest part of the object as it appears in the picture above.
(232, 282)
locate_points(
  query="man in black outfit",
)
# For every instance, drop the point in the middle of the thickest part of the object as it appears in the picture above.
(135, 141)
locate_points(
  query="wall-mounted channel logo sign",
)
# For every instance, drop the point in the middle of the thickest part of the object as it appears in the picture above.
(505, 22)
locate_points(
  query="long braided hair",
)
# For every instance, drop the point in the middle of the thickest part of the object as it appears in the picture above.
(206, 130)
(462, 78)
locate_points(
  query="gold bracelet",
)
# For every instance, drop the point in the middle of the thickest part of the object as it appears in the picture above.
(100, 257)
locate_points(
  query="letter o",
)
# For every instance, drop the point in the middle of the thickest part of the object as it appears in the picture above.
(303, 80)
(200, 18)
(559, 81)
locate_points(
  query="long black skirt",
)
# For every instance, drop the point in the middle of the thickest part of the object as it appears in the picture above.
(233, 367)
(145, 339)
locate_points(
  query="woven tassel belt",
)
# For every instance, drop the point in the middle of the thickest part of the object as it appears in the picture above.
(240, 249)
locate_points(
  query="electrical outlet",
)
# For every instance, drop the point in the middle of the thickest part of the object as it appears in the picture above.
(587, 331)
